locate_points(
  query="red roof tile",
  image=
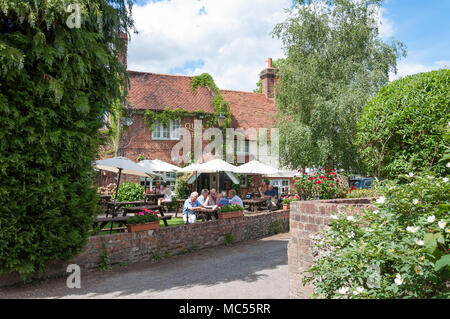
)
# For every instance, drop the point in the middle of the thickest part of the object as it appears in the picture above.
(150, 91)
(159, 91)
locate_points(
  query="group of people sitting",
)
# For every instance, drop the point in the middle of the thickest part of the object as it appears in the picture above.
(210, 199)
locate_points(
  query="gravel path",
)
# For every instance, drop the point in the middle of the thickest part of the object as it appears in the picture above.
(255, 269)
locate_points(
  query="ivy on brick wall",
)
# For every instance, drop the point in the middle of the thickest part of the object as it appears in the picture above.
(167, 115)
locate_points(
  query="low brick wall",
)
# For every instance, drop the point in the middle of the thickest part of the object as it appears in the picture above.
(308, 218)
(131, 248)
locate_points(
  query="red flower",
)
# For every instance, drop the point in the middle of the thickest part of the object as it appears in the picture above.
(332, 185)
(236, 203)
(318, 188)
(219, 204)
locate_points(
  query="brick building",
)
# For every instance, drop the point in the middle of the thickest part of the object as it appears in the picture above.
(159, 92)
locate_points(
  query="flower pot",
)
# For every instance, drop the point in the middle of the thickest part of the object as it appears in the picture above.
(286, 206)
(230, 214)
(142, 227)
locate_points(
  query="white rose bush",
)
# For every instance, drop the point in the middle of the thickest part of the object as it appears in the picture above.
(398, 250)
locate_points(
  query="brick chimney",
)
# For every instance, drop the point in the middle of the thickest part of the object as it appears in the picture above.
(268, 79)
(123, 52)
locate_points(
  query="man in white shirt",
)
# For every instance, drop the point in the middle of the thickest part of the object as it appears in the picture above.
(202, 198)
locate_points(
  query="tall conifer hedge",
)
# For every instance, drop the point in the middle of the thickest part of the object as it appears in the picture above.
(56, 82)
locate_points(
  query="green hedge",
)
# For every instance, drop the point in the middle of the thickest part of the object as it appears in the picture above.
(55, 85)
(402, 128)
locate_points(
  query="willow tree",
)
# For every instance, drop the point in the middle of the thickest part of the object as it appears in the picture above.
(335, 60)
(59, 74)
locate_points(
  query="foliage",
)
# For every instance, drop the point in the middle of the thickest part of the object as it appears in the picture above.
(181, 186)
(276, 227)
(229, 238)
(285, 200)
(323, 184)
(363, 193)
(145, 216)
(167, 115)
(230, 208)
(402, 128)
(105, 263)
(335, 61)
(399, 250)
(55, 85)
(129, 192)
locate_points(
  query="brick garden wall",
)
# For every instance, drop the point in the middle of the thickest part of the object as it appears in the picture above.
(308, 218)
(131, 248)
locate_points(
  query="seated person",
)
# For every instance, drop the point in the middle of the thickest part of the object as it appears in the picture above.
(212, 198)
(271, 196)
(202, 198)
(167, 192)
(223, 201)
(157, 188)
(234, 198)
(191, 205)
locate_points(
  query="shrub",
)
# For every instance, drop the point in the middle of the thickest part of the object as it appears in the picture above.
(324, 184)
(181, 186)
(56, 83)
(129, 192)
(399, 250)
(402, 127)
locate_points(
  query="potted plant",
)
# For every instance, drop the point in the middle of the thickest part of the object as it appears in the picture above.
(230, 211)
(286, 201)
(144, 220)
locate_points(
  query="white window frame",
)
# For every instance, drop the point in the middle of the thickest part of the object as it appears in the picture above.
(169, 178)
(279, 183)
(246, 145)
(173, 131)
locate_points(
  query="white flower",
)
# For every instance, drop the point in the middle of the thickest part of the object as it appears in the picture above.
(412, 229)
(381, 200)
(448, 165)
(350, 218)
(442, 224)
(351, 235)
(445, 179)
(358, 291)
(419, 242)
(431, 219)
(333, 217)
(398, 280)
(415, 201)
(343, 290)
(376, 212)
(411, 174)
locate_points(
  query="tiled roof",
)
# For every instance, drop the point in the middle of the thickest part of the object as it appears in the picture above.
(250, 109)
(159, 91)
(150, 91)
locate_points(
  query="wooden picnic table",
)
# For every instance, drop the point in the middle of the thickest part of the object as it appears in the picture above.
(153, 197)
(254, 204)
(206, 214)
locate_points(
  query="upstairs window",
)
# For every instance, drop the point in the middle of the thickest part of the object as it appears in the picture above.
(171, 131)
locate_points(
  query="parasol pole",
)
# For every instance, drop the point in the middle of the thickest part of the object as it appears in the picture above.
(115, 198)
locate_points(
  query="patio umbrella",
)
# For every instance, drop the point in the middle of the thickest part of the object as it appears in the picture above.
(123, 165)
(157, 165)
(256, 168)
(213, 166)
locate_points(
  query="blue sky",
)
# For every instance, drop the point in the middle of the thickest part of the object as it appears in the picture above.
(231, 39)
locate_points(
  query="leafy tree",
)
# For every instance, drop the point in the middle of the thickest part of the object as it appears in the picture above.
(335, 60)
(57, 79)
(403, 128)
(129, 192)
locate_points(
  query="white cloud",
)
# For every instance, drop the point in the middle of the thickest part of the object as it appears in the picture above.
(406, 68)
(233, 38)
